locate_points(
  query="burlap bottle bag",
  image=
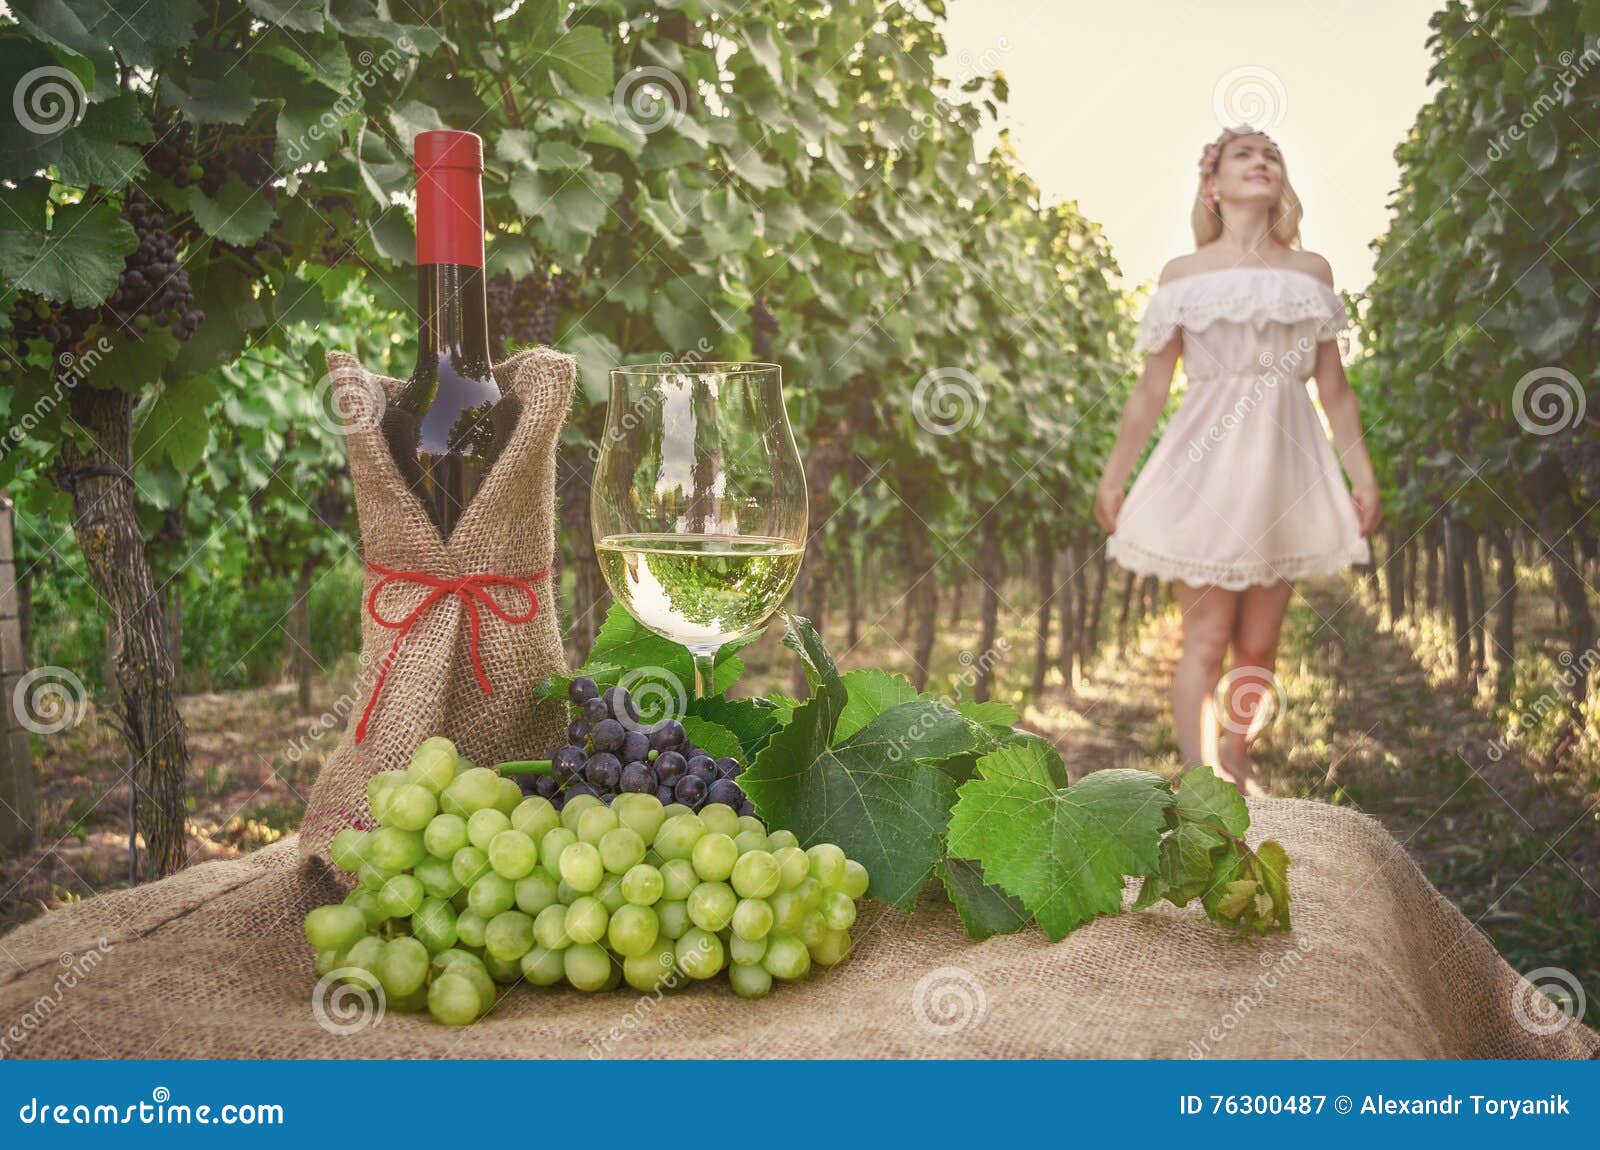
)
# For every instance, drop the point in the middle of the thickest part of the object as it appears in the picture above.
(454, 633)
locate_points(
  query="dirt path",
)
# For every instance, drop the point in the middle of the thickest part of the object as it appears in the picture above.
(1364, 726)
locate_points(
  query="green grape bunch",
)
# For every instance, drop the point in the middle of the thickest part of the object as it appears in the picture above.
(466, 884)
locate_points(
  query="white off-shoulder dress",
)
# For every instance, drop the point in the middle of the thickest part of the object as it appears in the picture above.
(1244, 487)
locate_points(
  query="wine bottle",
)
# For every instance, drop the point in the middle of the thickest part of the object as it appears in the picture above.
(450, 421)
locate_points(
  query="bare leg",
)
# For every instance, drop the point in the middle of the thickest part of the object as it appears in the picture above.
(1208, 623)
(1251, 680)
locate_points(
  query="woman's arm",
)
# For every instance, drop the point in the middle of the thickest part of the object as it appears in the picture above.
(1338, 400)
(1144, 407)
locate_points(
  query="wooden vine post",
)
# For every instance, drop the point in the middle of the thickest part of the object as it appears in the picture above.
(18, 804)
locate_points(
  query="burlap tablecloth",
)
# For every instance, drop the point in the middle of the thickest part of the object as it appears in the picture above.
(211, 963)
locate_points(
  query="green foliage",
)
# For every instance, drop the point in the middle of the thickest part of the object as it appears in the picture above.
(805, 159)
(892, 777)
(1481, 273)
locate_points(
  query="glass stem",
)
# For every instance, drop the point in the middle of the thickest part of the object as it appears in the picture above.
(704, 673)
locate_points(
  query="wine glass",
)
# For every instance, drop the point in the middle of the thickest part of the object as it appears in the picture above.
(699, 502)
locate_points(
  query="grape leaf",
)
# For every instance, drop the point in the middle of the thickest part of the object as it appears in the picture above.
(582, 57)
(238, 215)
(716, 739)
(1206, 811)
(871, 794)
(985, 909)
(301, 15)
(78, 259)
(870, 692)
(998, 717)
(783, 707)
(176, 422)
(1187, 856)
(1206, 797)
(752, 720)
(1063, 851)
(823, 676)
(97, 151)
(142, 33)
(964, 766)
(624, 646)
(1272, 863)
(208, 91)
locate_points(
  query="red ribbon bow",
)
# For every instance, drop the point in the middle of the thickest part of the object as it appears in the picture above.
(471, 590)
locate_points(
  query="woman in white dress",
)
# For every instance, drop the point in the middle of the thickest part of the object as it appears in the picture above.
(1243, 494)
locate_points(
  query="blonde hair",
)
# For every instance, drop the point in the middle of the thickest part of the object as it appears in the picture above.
(1206, 221)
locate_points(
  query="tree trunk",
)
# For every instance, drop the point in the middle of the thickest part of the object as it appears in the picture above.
(1455, 587)
(300, 635)
(18, 801)
(1068, 597)
(107, 530)
(109, 666)
(1089, 631)
(852, 600)
(957, 586)
(1129, 583)
(1394, 575)
(990, 567)
(1430, 571)
(1044, 577)
(1505, 610)
(175, 632)
(922, 595)
(1555, 534)
(1471, 553)
(927, 627)
(1151, 597)
(1412, 560)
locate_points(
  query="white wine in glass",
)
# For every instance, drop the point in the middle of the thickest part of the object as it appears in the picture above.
(699, 502)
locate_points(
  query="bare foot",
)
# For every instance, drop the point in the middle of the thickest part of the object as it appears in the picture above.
(1235, 764)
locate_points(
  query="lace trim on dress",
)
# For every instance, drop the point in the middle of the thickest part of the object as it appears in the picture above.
(1276, 296)
(1238, 575)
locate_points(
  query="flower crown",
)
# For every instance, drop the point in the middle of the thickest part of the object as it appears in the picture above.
(1212, 153)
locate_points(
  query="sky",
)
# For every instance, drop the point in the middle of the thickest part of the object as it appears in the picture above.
(1111, 105)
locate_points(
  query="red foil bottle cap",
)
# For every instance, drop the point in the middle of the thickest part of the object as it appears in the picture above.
(449, 198)
(448, 150)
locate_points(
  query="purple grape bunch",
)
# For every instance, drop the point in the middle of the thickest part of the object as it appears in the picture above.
(609, 751)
